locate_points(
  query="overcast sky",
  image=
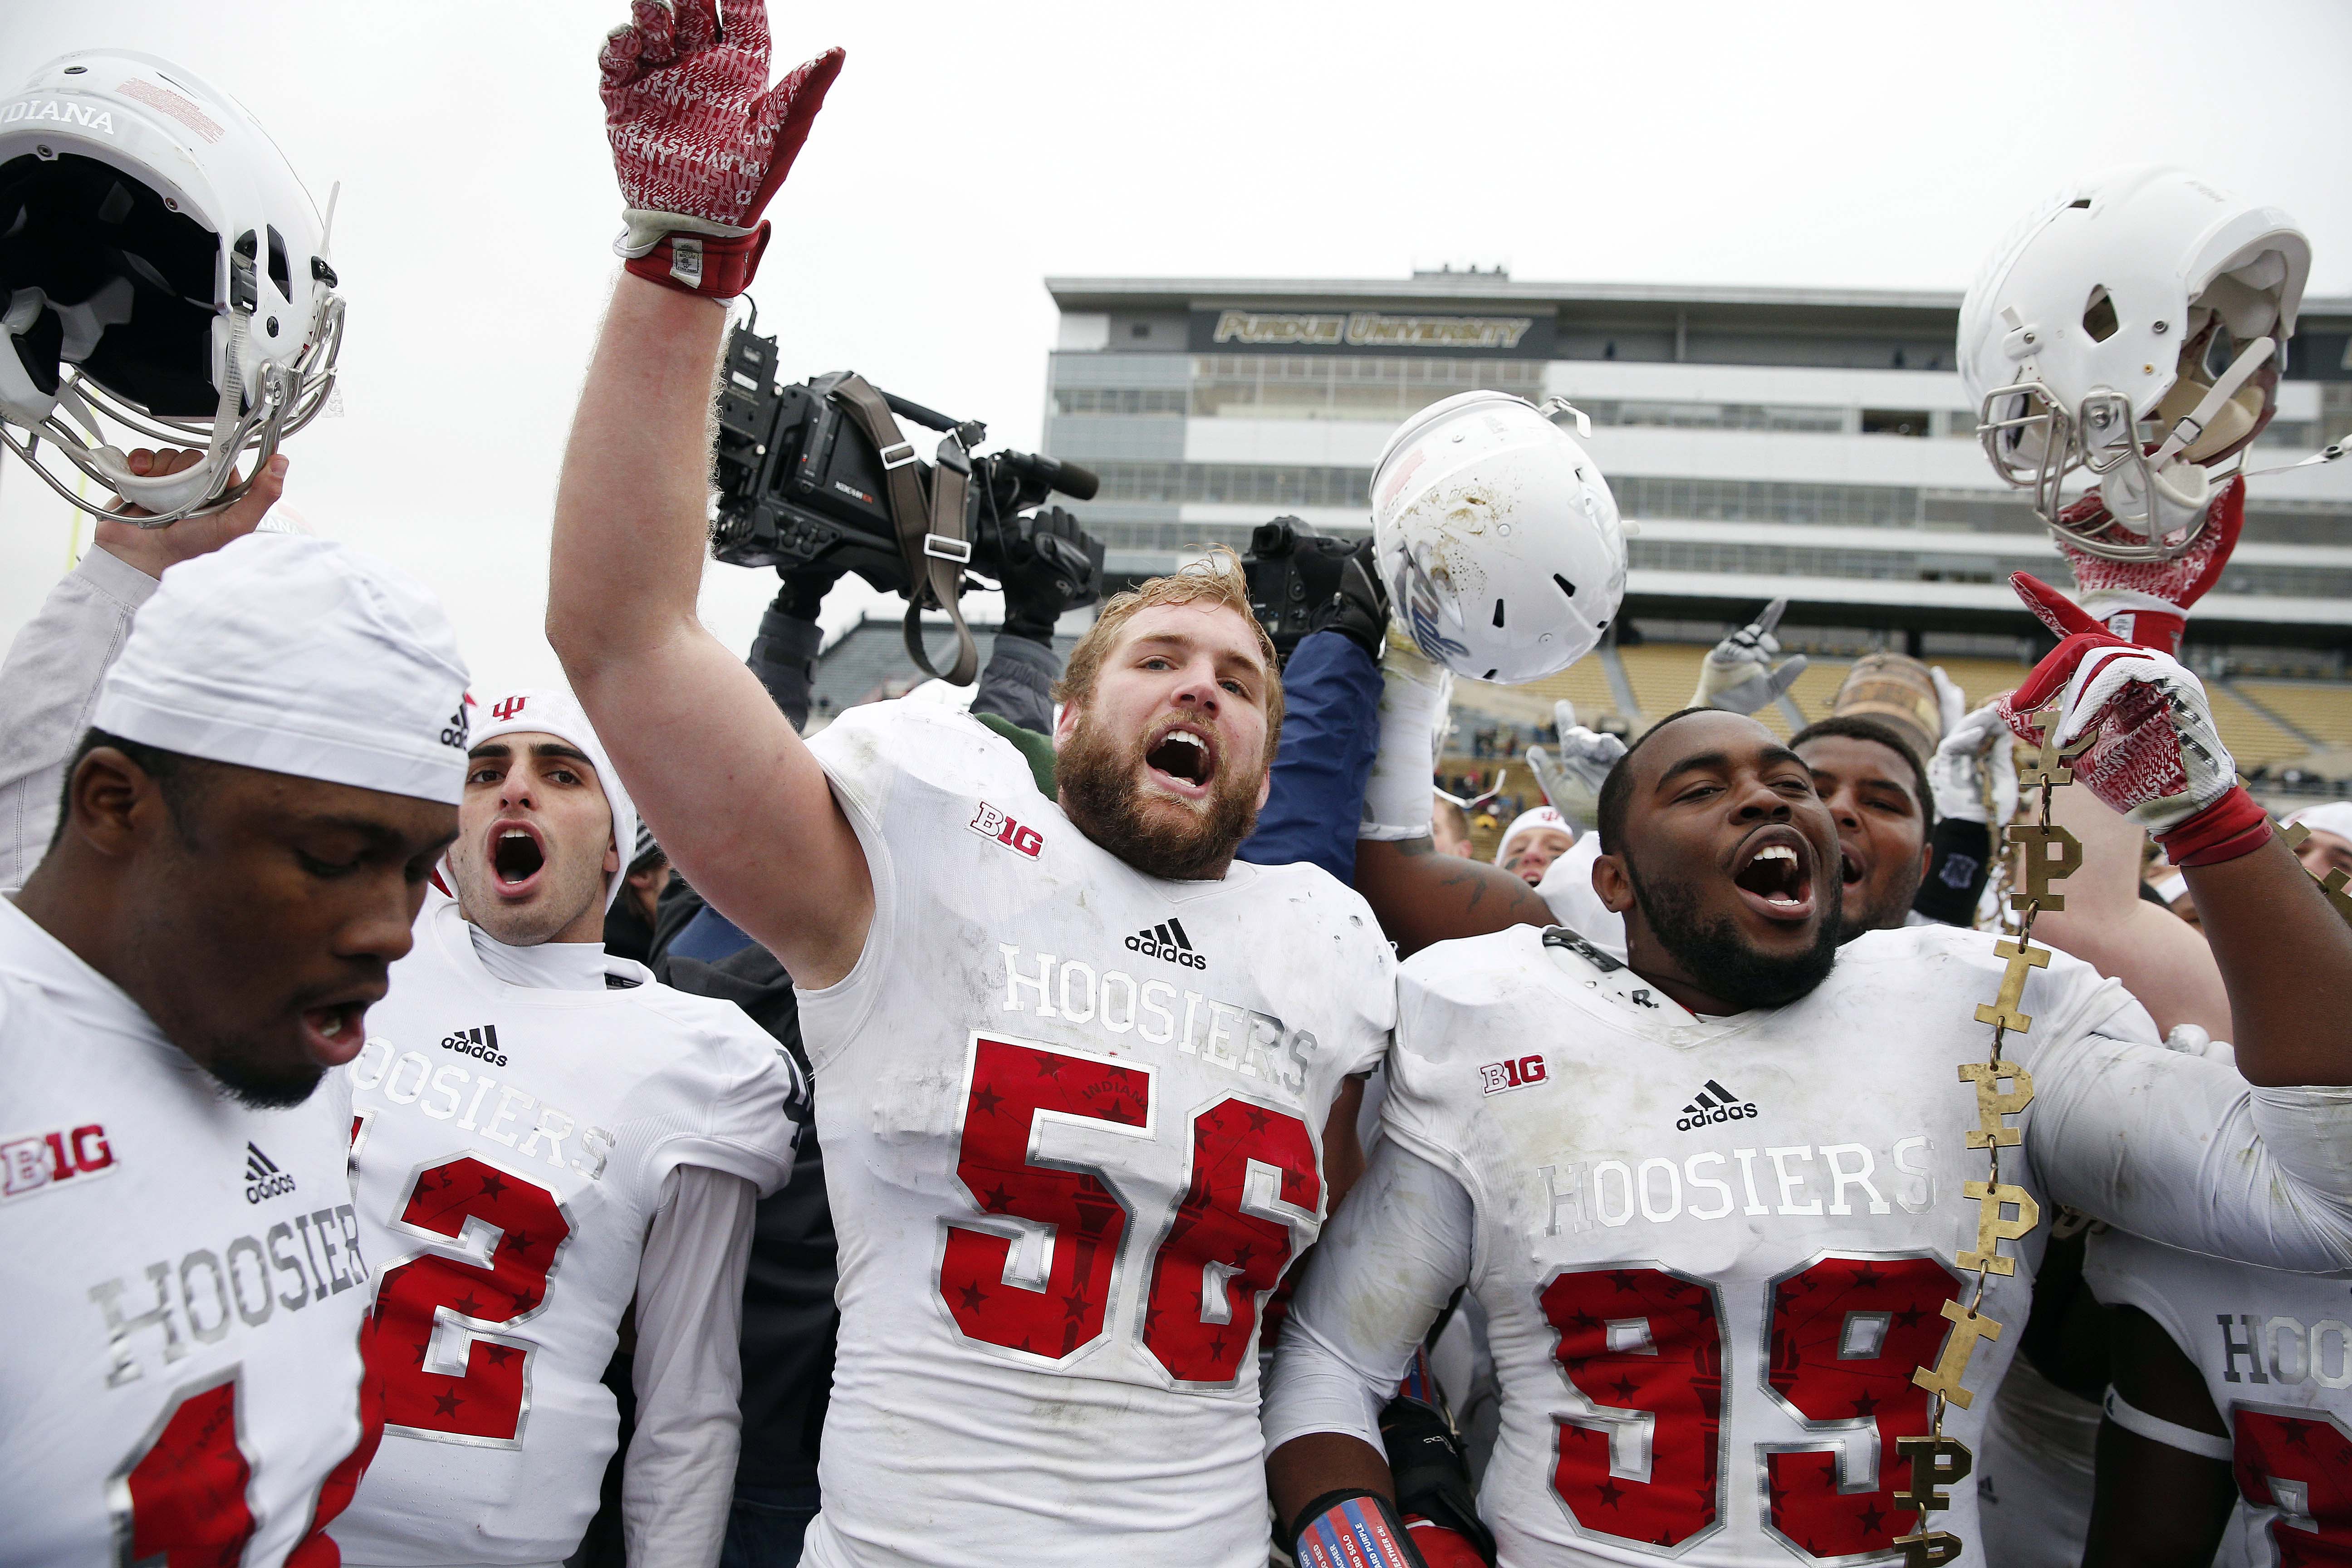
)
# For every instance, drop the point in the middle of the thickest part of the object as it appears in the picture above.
(969, 150)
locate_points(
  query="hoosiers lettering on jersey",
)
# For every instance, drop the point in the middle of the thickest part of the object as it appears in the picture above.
(1066, 1173)
(1708, 1353)
(510, 1172)
(2274, 1351)
(181, 1368)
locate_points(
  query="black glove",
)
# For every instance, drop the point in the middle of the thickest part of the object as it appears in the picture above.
(1433, 1475)
(1301, 582)
(804, 588)
(1051, 564)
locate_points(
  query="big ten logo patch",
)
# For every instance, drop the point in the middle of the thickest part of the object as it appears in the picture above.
(991, 822)
(40, 1160)
(1496, 1077)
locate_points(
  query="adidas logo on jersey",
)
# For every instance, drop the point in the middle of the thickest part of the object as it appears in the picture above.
(263, 1179)
(480, 1043)
(1168, 941)
(1715, 1104)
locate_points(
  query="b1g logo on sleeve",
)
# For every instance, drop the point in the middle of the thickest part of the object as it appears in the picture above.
(1499, 1076)
(38, 1160)
(991, 822)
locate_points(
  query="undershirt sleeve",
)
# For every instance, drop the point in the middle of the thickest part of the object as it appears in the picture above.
(2183, 1150)
(1391, 1260)
(49, 689)
(678, 1480)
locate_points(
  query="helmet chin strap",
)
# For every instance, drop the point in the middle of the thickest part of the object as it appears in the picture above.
(2190, 426)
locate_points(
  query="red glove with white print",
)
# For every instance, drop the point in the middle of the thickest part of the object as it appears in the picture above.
(2147, 602)
(2155, 756)
(699, 140)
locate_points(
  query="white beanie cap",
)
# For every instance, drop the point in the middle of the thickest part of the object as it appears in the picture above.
(2335, 817)
(551, 712)
(1526, 822)
(298, 656)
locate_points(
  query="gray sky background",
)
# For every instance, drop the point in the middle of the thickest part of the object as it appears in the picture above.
(1864, 144)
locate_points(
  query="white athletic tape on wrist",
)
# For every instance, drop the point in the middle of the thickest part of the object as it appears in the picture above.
(2171, 1434)
(1398, 796)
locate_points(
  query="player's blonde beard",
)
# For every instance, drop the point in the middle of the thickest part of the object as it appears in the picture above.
(1095, 776)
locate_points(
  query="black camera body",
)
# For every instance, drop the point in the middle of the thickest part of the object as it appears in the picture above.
(801, 483)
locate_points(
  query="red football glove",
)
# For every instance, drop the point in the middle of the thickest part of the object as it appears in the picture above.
(699, 140)
(2147, 602)
(2155, 756)
(1440, 1547)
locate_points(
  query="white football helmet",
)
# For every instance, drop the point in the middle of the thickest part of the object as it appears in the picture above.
(161, 267)
(2133, 327)
(1497, 537)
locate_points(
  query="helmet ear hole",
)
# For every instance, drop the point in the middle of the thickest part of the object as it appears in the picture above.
(2099, 315)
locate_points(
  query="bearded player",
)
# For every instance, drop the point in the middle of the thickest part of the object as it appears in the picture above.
(545, 1136)
(1083, 1081)
(1705, 1334)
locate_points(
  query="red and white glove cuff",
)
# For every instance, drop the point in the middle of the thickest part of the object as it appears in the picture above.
(2141, 619)
(2232, 826)
(717, 267)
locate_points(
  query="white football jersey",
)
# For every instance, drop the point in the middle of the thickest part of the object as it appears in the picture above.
(1712, 1251)
(2276, 1350)
(1073, 1120)
(509, 1151)
(186, 1285)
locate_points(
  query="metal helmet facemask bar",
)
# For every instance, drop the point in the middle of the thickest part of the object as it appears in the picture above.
(256, 329)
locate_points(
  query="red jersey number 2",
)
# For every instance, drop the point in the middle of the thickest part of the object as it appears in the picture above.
(1206, 1279)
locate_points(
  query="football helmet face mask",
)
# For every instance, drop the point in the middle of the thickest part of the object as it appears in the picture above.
(161, 272)
(1497, 537)
(2131, 330)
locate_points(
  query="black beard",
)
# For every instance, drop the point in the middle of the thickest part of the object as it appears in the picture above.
(1718, 959)
(1094, 784)
(257, 1090)
(1883, 916)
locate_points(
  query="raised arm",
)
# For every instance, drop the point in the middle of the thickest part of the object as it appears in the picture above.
(1423, 896)
(2153, 754)
(2160, 957)
(739, 803)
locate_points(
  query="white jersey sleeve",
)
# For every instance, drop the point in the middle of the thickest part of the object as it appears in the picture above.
(2181, 1150)
(49, 689)
(677, 1482)
(1390, 1262)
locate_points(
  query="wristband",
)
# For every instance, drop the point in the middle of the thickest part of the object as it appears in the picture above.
(717, 267)
(2232, 826)
(2141, 619)
(1352, 1529)
(1398, 798)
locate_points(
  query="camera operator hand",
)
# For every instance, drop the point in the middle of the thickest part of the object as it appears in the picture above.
(1291, 569)
(1049, 567)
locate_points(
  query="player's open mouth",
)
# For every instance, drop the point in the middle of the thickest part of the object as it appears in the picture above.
(517, 855)
(332, 1035)
(1775, 874)
(1854, 870)
(1183, 761)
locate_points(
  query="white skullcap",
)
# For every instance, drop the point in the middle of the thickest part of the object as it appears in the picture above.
(300, 655)
(558, 713)
(1526, 822)
(2335, 816)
